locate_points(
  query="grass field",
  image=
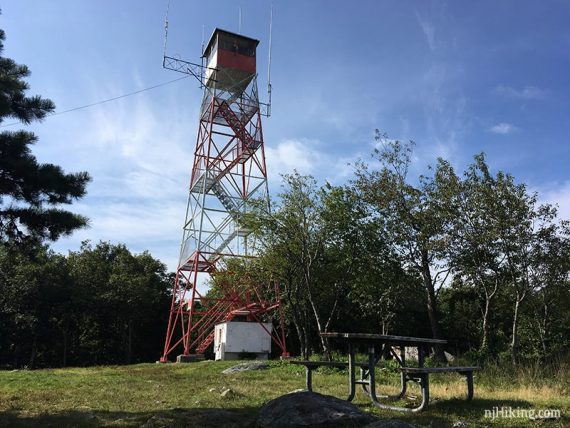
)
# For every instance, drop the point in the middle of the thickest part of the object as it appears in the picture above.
(154, 395)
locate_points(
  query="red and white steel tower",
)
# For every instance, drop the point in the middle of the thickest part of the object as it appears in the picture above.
(228, 173)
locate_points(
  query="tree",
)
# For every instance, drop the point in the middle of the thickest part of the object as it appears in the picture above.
(292, 245)
(410, 217)
(31, 192)
(501, 241)
(123, 300)
(473, 249)
(310, 243)
(550, 273)
(522, 226)
(358, 265)
(34, 296)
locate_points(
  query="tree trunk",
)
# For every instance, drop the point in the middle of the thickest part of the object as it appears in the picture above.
(484, 348)
(17, 351)
(33, 352)
(432, 305)
(64, 356)
(324, 340)
(129, 341)
(298, 320)
(306, 350)
(515, 338)
(544, 330)
(301, 336)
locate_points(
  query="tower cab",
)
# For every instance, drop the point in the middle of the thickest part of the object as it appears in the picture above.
(230, 61)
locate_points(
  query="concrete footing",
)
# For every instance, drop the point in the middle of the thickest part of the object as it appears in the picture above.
(191, 358)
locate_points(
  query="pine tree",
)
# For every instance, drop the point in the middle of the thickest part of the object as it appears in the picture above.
(31, 193)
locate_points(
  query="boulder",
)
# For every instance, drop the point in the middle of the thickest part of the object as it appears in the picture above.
(250, 365)
(412, 354)
(311, 410)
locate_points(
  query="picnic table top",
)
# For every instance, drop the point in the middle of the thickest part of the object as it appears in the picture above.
(384, 338)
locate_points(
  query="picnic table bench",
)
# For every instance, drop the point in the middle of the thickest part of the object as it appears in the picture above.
(367, 379)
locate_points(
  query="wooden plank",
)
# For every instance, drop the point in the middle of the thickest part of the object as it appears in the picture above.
(438, 369)
(315, 364)
(384, 338)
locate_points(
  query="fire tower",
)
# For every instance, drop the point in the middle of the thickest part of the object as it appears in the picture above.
(228, 173)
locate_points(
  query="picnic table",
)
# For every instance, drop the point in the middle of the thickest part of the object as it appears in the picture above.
(367, 379)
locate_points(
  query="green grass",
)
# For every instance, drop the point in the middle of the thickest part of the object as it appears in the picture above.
(184, 394)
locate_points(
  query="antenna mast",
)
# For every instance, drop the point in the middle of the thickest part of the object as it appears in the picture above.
(269, 63)
(239, 20)
(166, 28)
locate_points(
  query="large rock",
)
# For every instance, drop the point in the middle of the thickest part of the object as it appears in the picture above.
(412, 354)
(309, 409)
(251, 365)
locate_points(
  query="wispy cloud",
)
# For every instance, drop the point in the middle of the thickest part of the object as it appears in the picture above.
(525, 93)
(140, 166)
(444, 106)
(503, 128)
(309, 157)
(139, 223)
(428, 29)
(293, 154)
(557, 194)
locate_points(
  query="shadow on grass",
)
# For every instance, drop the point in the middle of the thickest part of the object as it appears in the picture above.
(195, 417)
(477, 405)
(473, 412)
(445, 412)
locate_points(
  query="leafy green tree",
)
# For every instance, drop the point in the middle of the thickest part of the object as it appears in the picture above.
(500, 241)
(123, 300)
(410, 217)
(30, 192)
(522, 225)
(358, 265)
(548, 275)
(324, 247)
(34, 295)
(292, 247)
(473, 249)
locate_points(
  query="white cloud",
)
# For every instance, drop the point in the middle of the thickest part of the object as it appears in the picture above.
(140, 157)
(140, 224)
(444, 106)
(503, 128)
(142, 136)
(558, 194)
(290, 155)
(526, 93)
(428, 29)
(308, 157)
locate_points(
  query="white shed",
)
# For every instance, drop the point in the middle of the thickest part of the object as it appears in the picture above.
(233, 339)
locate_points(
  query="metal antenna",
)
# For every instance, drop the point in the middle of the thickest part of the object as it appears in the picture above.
(203, 41)
(203, 62)
(166, 28)
(239, 20)
(269, 61)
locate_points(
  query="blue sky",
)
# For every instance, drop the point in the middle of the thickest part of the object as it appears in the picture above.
(457, 77)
